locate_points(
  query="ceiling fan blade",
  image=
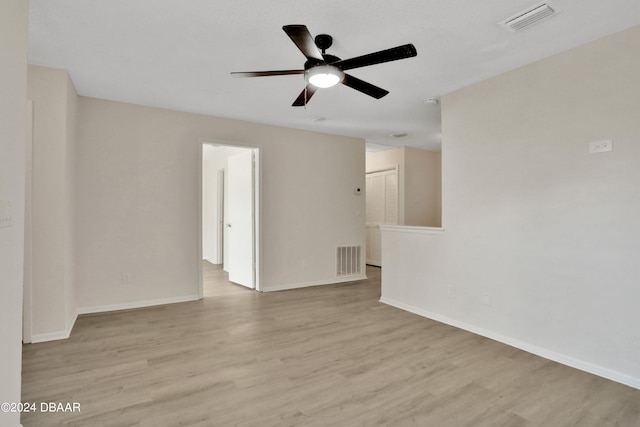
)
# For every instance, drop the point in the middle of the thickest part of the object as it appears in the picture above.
(393, 54)
(364, 87)
(300, 35)
(306, 92)
(265, 73)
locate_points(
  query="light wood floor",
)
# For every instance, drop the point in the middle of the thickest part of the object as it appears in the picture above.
(323, 356)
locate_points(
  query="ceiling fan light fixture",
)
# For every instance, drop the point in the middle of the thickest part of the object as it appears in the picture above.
(323, 70)
(324, 76)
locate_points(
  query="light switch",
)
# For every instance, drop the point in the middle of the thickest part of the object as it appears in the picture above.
(600, 146)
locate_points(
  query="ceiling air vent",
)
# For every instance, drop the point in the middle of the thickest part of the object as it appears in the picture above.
(530, 16)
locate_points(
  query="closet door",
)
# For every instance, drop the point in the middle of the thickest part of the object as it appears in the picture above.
(382, 208)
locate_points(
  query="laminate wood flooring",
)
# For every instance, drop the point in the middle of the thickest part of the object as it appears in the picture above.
(322, 356)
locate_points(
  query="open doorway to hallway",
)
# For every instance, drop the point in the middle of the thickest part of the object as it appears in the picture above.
(230, 214)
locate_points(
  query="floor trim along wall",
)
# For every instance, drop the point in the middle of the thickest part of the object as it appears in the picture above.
(63, 335)
(318, 283)
(539, 351)
(136, 304)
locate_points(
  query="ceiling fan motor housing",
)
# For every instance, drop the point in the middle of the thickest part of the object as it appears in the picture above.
(323, 41)
(328, 59)
(321, 73)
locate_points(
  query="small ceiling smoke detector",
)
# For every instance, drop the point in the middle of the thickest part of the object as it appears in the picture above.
(530, 16)
(399, 135)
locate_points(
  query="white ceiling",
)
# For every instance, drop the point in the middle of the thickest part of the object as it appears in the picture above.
(178, 54)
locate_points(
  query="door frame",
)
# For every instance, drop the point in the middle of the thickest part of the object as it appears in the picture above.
(221, 175)
(27, 303)
(257, 207)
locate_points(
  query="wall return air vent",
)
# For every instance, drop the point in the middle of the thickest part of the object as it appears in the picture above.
(348, 260)
(530, 16)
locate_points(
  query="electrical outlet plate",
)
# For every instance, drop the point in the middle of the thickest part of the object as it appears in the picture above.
(600, 146)
(486, 298)
(6, 217)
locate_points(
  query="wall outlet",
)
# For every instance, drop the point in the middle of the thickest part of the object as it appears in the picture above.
(452, 292)
(6, 219)
(126, 278)
(486, 298)
(600, 146)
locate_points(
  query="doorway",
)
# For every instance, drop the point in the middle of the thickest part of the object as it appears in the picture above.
(229, 211)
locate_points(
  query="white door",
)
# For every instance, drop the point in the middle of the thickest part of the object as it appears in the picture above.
(239, 221)
(382, 208)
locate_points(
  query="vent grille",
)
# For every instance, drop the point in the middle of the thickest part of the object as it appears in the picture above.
(528, 17)
(348, 261)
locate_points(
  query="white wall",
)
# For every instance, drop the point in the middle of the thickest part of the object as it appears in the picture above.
(137, 211)
(13, 87)
(52, 217)
(211, 164)
(541, 243)
(214, 159)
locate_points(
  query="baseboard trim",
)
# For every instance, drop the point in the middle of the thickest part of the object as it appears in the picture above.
(136, 304)
(63, 335)
(58, 335)
(530, 348)
(316, 283)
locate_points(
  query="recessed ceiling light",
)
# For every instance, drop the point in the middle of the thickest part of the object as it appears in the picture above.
(399, 135)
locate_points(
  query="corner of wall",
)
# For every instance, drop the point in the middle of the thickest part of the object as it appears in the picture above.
(52, 251)
(70, 174)
(13, 121)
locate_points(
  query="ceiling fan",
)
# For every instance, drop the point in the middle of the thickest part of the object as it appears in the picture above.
(322, 70)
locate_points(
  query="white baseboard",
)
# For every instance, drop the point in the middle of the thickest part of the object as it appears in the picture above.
(530, 348)
(317, 283)
(136, 304)
(58, 335)
(63, 335)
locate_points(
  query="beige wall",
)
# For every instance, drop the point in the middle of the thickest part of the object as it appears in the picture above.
(419, 183)
(13, 99)
(390, 159)
(541, 243)
(115, 190)
(51, 262)
(422, 188)
(137, 211)
(69, 185)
